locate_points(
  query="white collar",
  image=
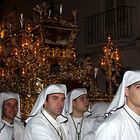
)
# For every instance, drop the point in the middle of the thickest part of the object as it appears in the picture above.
(78, 120)
(132, 113)
(55, 122)
(60, 119)
(7, 123)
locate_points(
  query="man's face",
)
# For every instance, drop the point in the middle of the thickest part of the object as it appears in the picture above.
(133, 97)
(81, 104)
(54, 104)
(9, 109)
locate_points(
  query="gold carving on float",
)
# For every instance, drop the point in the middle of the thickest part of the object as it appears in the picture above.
(38, 52)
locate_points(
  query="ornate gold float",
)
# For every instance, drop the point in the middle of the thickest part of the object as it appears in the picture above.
(38, 52)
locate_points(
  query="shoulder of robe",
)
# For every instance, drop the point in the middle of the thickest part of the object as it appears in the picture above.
(19, 123)
(90, 118)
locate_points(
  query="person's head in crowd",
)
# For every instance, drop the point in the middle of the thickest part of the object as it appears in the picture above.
(52, 99)
(127, 93)
(10, 106)
(77, 102)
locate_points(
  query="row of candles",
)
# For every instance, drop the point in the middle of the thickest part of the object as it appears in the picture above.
(111, 54)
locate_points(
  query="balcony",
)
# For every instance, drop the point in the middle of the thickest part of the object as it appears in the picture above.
(117, 21)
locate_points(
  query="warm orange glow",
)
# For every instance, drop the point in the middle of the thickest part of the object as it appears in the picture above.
(1, 49)
(16, 53)
(23, 71)
(110, 60)
(2, 72)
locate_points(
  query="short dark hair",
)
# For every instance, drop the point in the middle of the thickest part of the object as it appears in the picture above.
(132, 84)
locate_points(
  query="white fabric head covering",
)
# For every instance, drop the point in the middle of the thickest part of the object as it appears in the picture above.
(129, 78)
(73, 95)
(99, 109)
(50, 89)
(6, 96)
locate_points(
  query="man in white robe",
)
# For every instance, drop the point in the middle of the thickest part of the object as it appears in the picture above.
(123, 122)
(46, 121)
(98, 111)
(11, 125)
(80, 124)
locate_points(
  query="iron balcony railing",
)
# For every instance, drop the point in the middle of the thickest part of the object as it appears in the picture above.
(116, 21)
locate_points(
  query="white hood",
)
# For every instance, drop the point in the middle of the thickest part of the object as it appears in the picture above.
(54, 88)
(129, 78)
(73, 95)
(6, 96)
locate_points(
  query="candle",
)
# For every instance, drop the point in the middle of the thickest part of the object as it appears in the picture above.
(50, 13)
(60, 9)
(96, 71)
(21, 15)
(21, 20)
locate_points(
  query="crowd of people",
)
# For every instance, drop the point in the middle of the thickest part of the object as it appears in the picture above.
(58, 115)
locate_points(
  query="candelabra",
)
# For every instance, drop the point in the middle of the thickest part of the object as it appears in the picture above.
(110, 63)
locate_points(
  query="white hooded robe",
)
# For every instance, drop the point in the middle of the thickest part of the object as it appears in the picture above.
(86, 126)
(121, 124)
(11, 131)
(40, 124)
